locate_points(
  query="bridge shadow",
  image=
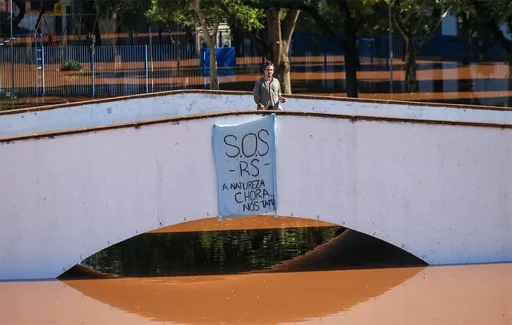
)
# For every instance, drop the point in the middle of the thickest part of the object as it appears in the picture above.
(350, 250)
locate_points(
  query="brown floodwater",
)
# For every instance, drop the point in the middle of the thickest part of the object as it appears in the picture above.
(469, 294)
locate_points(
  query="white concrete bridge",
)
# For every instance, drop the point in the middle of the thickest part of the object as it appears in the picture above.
(439, 189)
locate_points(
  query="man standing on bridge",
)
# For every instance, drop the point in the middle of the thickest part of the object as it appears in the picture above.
(267, 90)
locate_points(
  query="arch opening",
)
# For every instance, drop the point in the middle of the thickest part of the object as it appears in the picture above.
(251, 244)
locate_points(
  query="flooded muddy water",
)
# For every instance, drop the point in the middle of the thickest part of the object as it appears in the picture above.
(279, 271)
(470, 294)
(313, 274)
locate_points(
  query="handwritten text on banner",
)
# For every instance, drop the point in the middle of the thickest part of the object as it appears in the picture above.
(245, 163)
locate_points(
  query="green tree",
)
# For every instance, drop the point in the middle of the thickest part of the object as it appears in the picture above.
(21, 4)
(203, 13)
(491, 16)
(127, 15)
(90, 21)
(351, 17)
(280, 31)
(416, 20)
(281, 17)
(482, 19)
(207, 15)
(467, 25)
(5, 19)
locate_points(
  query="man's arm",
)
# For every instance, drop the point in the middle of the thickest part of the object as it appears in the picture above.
(256, 95)
(280, 95)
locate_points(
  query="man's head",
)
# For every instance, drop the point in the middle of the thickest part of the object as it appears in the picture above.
(268, 69)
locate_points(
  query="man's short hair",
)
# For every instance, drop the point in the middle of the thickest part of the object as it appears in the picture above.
(268, 64)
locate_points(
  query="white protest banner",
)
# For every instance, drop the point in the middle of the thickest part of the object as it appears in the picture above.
(245, 163)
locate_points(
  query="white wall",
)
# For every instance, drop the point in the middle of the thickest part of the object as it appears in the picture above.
(177, 103)
(441, 192)
(119, 111)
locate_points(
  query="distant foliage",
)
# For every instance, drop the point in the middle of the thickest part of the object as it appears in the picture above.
(71, 65)
(5, 26)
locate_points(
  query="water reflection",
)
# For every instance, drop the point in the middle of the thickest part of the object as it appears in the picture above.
(470, 294)
(211, 252)
(244, 299)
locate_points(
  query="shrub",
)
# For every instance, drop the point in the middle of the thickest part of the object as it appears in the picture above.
(71, 65)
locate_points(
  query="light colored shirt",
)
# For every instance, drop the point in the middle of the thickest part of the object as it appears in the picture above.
(267, 93)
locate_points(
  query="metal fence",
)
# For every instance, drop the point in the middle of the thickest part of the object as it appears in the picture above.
(125, 70)
(109, 71)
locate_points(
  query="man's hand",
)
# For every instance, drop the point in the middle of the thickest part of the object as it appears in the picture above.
(282, 99)
(261, 107)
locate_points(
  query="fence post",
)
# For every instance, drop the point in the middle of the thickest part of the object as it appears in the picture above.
(42, 68)
(11, 39)
(325, 59)
(92, 73)
(151, 59)
(372, 50)
(146, 66)
(36, 92)
(92, 50)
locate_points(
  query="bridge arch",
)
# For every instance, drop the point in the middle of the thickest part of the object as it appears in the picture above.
(437, 190)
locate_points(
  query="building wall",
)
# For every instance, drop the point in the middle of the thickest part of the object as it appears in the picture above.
(449, 26)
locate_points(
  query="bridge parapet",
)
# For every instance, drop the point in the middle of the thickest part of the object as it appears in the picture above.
(132, 109)
(440, 191)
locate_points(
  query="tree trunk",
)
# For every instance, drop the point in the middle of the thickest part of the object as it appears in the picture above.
(284, 68)
(279, 41)
(90, 23)
(351, 67)
(279, 38)
(350, 50)
(21, 4)
(211, 41)
(466, 32)
(214, 81)
(350, 27)
(351, 59)
(410, 66)
(274, 35)
(279, 50)
(469, 49)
